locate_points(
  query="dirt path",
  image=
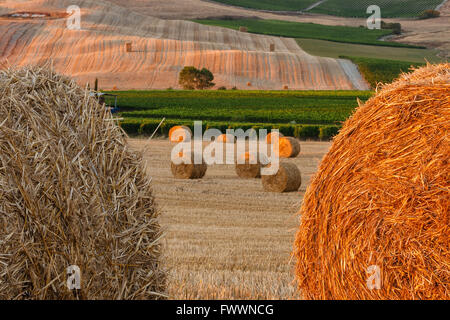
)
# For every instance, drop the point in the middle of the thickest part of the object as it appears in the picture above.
(226, 237)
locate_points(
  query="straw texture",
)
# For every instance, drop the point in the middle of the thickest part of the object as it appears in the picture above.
(381, 198)
(71, 194)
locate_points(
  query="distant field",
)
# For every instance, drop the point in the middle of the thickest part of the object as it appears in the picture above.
(389, 8)
(381, 70)
(332, 49)
(346, 8)
(304, 114)
(280, 5)
(309, 31)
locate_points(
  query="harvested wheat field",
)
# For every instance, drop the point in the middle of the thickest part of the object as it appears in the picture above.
(160, 49)
(226, 238)
(380, 201)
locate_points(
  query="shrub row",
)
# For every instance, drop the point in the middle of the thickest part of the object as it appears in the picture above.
(148, 126)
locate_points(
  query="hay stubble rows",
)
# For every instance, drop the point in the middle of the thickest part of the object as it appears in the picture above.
(226, 238)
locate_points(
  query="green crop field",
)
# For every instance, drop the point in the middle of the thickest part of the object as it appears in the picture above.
(280, 5)
(381, 70)
(389, 8)
(290, 29)
(305, 114)
(332, 49)
(346, 8)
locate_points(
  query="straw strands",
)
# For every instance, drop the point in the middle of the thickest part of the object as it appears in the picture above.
(381, 198)
(72, 193)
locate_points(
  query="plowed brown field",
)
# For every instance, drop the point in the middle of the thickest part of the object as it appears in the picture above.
(161, 48)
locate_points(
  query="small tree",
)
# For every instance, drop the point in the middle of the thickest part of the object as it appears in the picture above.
(191, 78)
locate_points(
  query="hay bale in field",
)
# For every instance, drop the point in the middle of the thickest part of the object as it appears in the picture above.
(243, 29)
(128, 46)
(379, 206)
(272, 47)
(287, 179)
(288, 147)
(226, 138)
(248, 165)
(270, 135)
(186, 170)
(72, 193)
(180, 134)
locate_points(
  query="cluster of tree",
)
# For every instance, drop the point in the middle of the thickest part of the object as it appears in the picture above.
(192, 78)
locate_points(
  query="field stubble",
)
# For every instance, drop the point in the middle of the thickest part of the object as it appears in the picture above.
(225, 237)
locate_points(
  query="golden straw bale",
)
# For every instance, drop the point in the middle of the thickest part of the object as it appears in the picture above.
(186, 170)
(249, 165)
(180, 134)
(226, 138)
(377, 212)
(72, 194)
(287, 179)
(273, 134)
(288, 147)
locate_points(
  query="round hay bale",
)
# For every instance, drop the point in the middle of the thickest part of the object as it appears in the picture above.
(226, 138)
(249, 166)
(187, 170)
(375, 219)
(287, 179)
(180, 134)
(288, 147)
(273, 134)
(72, 194)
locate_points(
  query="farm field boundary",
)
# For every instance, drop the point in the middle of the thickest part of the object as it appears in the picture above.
(302, 114)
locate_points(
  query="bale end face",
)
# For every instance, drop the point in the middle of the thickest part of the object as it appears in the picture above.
(288, 147)
(271, 135)
(179, 134)
(287, 179)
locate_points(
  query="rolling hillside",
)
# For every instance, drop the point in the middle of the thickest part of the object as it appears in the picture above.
(161, 48)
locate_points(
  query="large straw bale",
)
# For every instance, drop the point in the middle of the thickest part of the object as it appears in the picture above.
(380, 199)
(287, 179)
(72, 193)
